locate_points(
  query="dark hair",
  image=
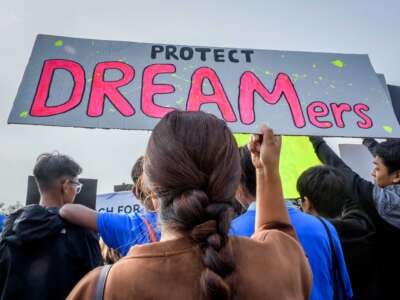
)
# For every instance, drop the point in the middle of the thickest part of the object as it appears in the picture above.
(389, 152)
(248, 178)
(192, 164)
(50, 167)
(324, 186)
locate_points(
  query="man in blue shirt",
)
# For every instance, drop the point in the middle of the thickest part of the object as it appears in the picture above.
(310, 231)
(119, 232)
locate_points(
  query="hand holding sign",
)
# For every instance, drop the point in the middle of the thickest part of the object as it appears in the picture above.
(265, 149)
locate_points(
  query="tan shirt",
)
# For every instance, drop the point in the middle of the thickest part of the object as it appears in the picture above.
(270, 265)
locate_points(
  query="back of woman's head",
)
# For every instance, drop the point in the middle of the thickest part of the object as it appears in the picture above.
(192, 164)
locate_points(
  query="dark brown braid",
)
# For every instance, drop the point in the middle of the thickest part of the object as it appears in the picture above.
(192, 164)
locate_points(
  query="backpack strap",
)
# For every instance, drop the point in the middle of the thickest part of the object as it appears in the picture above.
(101, 282)
(150, 230)
(339, 291)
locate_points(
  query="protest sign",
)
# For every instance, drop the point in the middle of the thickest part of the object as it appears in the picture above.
(358, 158)
(394, 91)
(119, 203)
(297, 155)
(111, 84)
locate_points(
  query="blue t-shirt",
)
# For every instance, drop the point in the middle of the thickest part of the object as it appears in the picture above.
(315, 242)
(121, 232)
(2, 218)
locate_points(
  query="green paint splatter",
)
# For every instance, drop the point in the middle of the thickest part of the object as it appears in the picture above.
(89, 80)
(320, 77)
(58, 43)
(266, 71)
(388, 128)
(23, 114)
(180, 101)
(314, 66)
(180, 78)
(338, 63)
(111, 110)
(122, 59)
(295, 77)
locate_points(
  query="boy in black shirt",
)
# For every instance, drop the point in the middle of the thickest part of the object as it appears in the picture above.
(41, 255)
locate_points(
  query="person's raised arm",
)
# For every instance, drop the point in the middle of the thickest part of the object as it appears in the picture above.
(79, 215)
(327, 156)
(371, 144)
(270, 206)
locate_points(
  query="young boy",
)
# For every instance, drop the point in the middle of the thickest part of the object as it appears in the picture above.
(323, 193)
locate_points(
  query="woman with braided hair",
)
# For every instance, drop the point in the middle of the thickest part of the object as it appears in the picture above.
(192, 165)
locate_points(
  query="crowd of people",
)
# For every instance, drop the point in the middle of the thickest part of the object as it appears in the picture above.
(216, 225)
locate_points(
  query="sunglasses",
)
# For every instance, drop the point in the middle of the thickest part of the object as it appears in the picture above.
(78, 186)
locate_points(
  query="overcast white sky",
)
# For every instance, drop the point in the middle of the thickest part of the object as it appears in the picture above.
(356, 26)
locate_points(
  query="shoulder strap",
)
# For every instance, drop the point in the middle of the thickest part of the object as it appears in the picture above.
(101, 282)
(337, 275)
(150, 230)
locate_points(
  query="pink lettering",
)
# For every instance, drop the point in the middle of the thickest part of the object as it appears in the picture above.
(101, 89)
(338, 110)
(317, 110)
(150, 89)
(249, 84)
(366, 121)
(197, 98)
(39, 107)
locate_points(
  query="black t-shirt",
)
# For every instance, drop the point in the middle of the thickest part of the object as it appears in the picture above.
(42, 256)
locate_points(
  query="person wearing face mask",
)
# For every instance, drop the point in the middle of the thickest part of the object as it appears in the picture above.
(41, 255)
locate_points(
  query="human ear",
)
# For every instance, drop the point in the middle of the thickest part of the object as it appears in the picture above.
(306, 205)
(63, 185)
(239, 195)
(154, 200)
(396, 177)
